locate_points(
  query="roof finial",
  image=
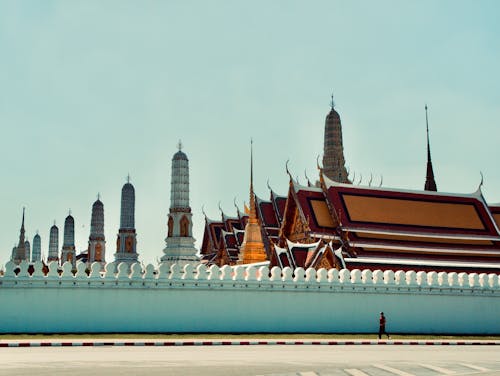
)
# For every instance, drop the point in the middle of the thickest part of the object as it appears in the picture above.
(24, 209)
(128, 177)
(360, 179)
(332, 103)
(287, 170)
(69, 211)
(179, 145)
(307, 178)
(236, 205)
(98, 196)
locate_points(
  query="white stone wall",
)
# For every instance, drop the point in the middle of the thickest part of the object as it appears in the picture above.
(245, 299)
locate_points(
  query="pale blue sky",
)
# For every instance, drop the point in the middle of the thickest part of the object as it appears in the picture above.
(93, 90)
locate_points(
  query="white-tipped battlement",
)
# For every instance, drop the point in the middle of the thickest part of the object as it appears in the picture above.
(251, 276)
(139, 298)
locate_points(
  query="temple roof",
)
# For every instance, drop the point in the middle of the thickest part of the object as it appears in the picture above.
(314, 208)
(409, 211)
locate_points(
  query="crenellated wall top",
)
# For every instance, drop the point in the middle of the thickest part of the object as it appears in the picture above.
(242, 276)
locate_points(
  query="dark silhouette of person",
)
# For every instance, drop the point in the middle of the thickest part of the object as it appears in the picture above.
(381, 329)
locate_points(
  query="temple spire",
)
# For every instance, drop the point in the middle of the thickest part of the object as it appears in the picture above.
(430, 183)
(22, 224)
(253, 213)
(333, 149)
(252, 249)
(19, 253)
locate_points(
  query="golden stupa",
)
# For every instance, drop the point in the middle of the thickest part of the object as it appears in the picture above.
(252, 249)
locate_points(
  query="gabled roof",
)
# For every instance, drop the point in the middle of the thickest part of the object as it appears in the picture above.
(279, 203)
(301, 253)
(390, 223)
(495, 213)
(314, 209)
(211, 236)
(405, 211)
(266, 213)
(282, 257)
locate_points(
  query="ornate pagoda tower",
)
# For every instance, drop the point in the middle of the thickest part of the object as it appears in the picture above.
(430, 183)
(97, 241)
(333, 151)
(68, 252)
(53, 244)
(36, 255)
(20, 253)
(179, 241)
(252, 249)
(126, 242)
(27, 247)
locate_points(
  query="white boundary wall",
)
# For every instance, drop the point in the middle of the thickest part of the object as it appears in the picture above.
(245, 299)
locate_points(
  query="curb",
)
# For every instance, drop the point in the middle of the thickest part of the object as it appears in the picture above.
(244, 343)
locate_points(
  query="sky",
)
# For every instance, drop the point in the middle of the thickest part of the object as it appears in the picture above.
(91, 91)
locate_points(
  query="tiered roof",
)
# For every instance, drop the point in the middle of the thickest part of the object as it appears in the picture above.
(381, 228)
(222, 239)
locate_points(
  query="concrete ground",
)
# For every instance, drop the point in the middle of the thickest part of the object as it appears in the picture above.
(275, 360)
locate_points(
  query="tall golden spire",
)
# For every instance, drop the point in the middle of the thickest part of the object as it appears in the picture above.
(253, 213)
(252, 250)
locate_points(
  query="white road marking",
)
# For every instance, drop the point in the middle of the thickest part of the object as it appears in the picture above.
(311, 373)
(393, 370)
(473, 366)
(443, 371)
(355, 372)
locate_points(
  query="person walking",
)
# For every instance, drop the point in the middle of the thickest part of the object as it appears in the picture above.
(381, 329)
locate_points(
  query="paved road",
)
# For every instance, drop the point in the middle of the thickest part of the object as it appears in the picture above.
(253, 360)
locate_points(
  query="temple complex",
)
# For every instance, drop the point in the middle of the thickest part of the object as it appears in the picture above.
(68, 252)
(97, 241)
(340, 225)
(126, 242)
(332, 224)
(179, 241)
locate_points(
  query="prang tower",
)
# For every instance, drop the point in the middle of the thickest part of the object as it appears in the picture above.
(37, 248)
(333, 151)
(53, 244)
(180, 242)
(97, 242)
(68, 252)
(126, 242)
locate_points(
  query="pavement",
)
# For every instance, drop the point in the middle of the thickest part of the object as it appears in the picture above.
(76, 342)
(242, 360)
